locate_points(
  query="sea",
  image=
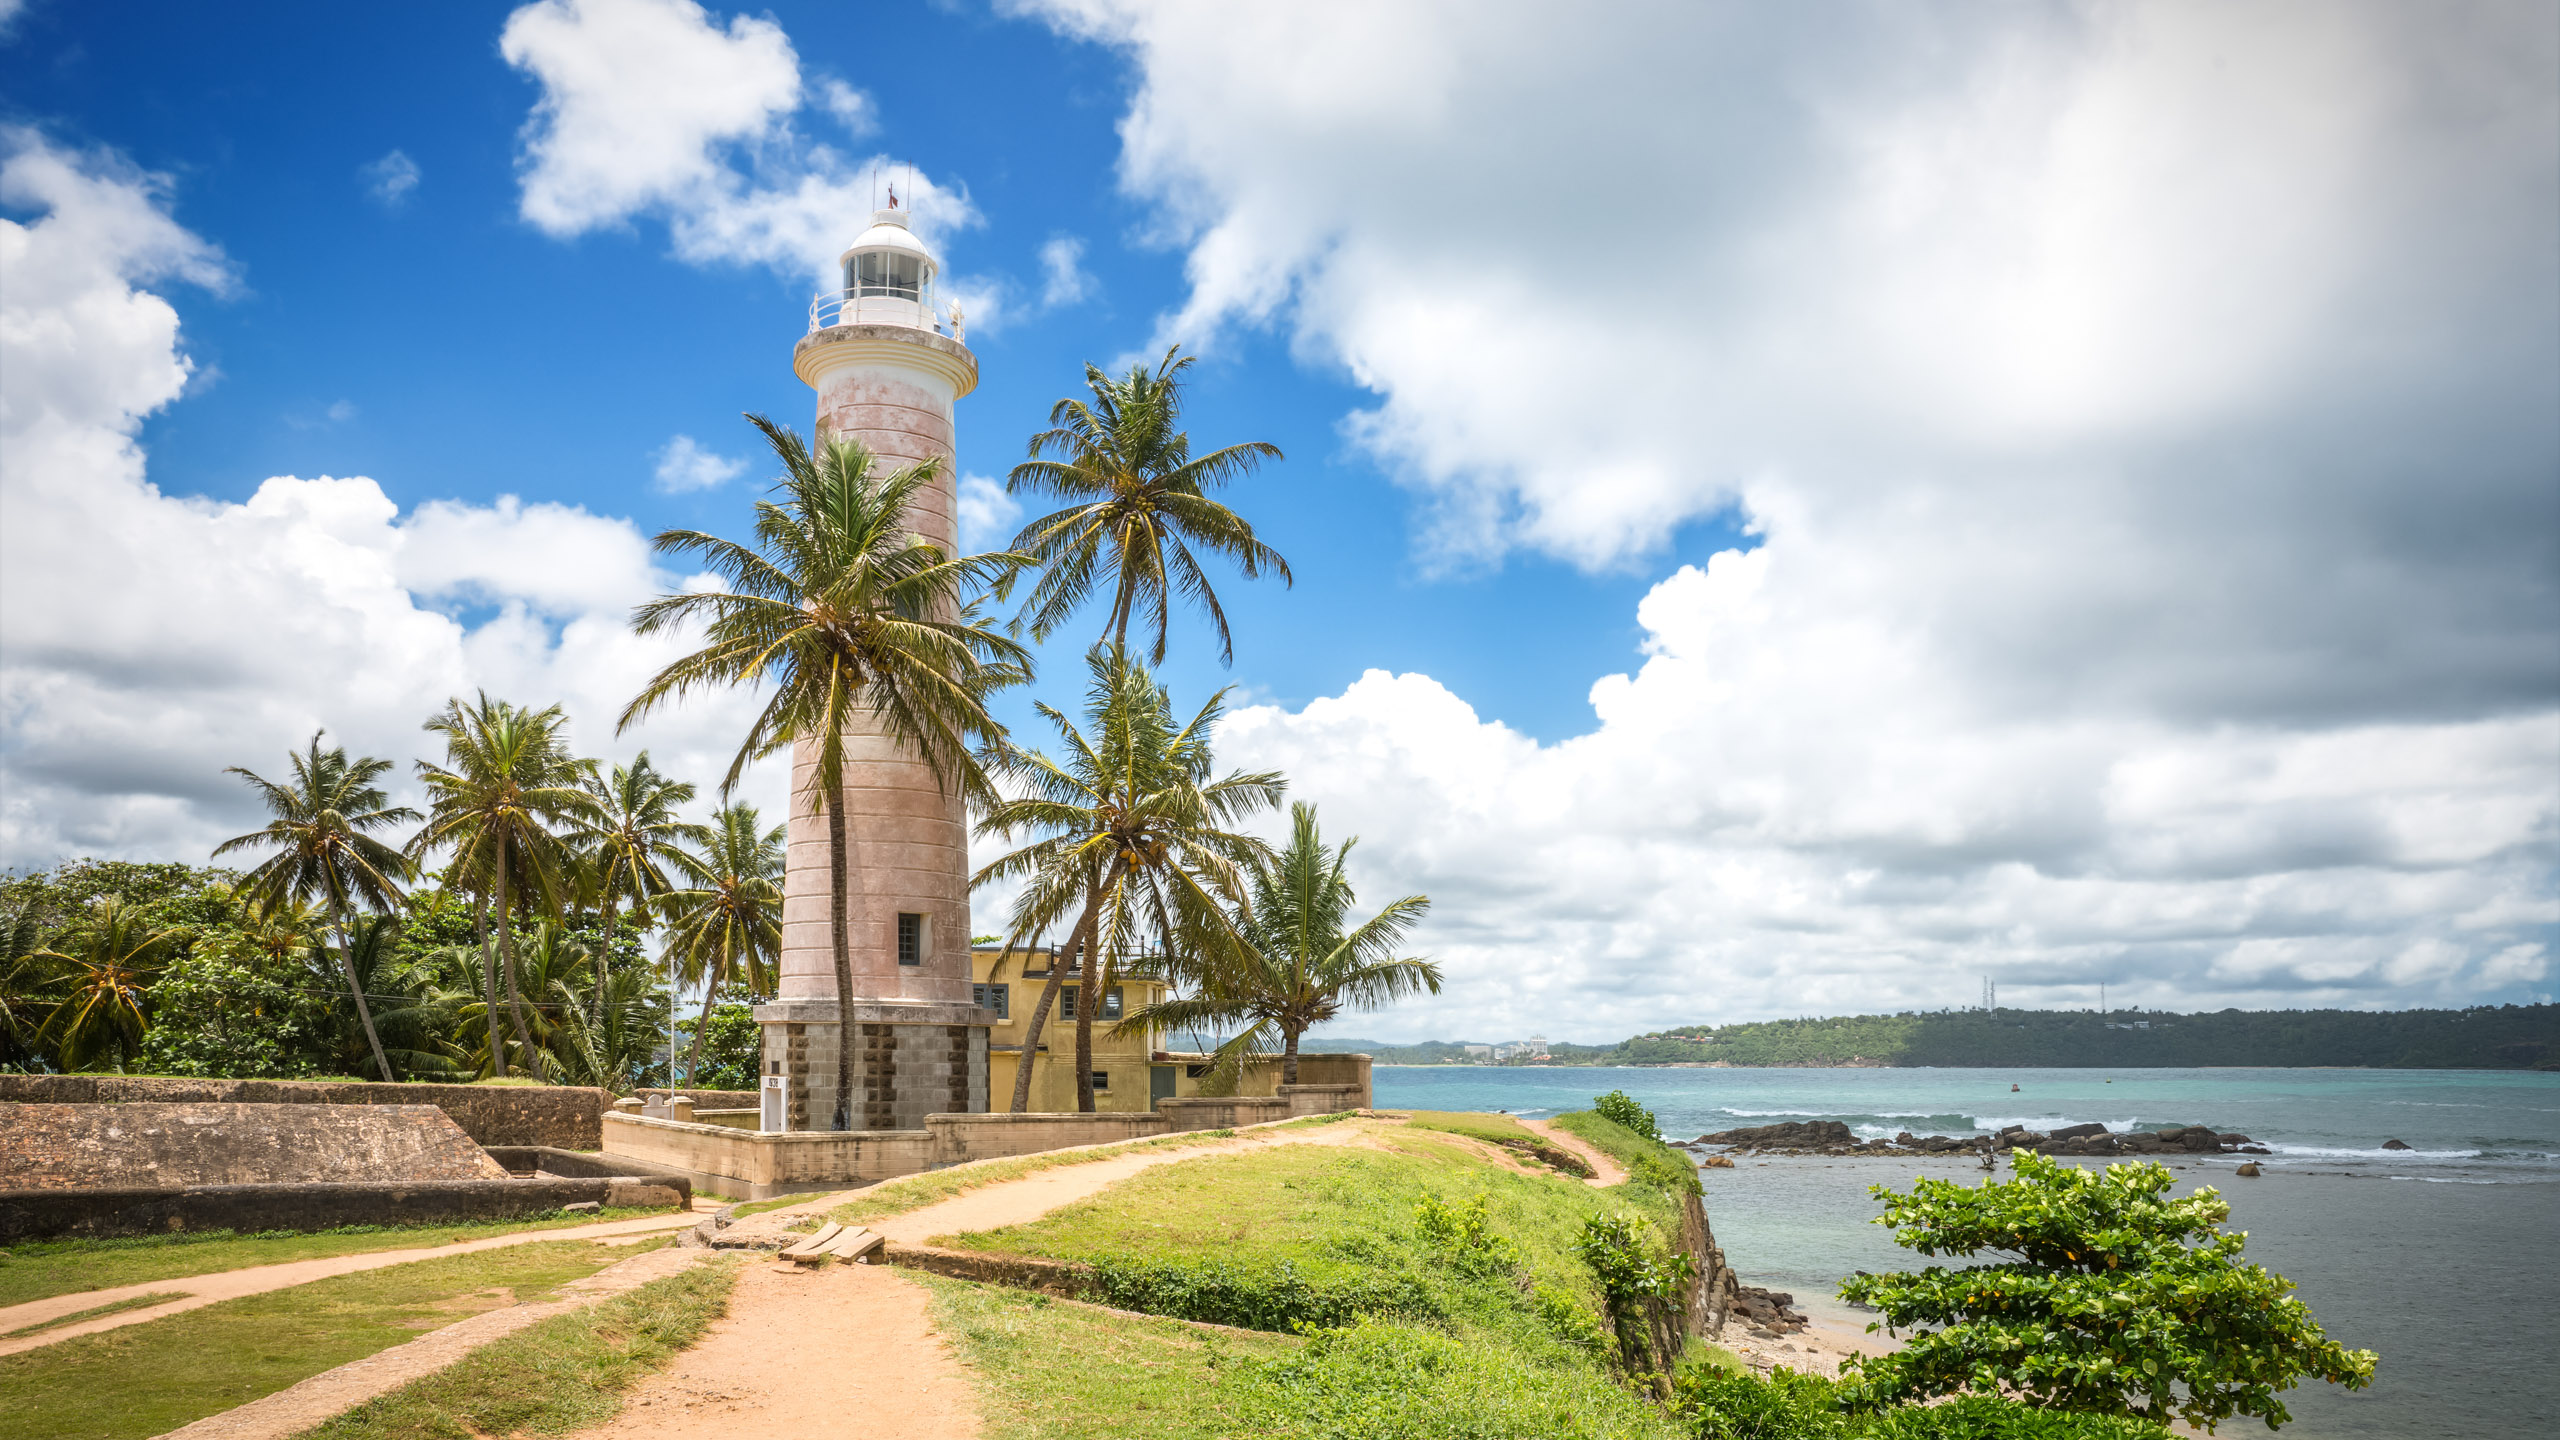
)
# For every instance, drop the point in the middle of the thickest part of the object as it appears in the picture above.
(2444, 1258)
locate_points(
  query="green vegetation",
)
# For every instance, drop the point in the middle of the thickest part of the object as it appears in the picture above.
(2114, 1300)
(1295, 961)
(566, 1373)
(1714, 1404)
(156, 1376)
(35, 1269)
(1135, 840)
(1620, 1109)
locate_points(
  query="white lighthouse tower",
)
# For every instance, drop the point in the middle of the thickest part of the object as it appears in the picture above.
(887, 375)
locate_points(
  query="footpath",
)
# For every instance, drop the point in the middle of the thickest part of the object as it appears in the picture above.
(200, 1290)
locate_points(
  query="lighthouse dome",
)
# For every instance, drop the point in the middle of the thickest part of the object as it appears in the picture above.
(887, 278)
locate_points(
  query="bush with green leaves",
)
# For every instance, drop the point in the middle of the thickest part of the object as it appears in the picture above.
(1641, 1283)
(2113, 1299)
(1714, 1404)
(1284, 1296)
(1619, 1108)
(1463, 1235)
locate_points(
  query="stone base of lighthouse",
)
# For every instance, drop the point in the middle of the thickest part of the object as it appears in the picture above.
(909, 1061)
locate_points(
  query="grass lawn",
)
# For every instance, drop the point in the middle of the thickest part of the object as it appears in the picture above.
(144, 1379)
(1052, 1371)
(567, 1373)
(914, 1192)
(38, 1268)
(1323, 1210)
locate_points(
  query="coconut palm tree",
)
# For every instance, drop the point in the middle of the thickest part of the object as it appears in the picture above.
(1136, 507)
(324, 849)
(411, 1014)
(507, 789)
(853, 619)
(105, 980)
(725, 927)
(1137, 841)
(1302, 961)
(629, 830)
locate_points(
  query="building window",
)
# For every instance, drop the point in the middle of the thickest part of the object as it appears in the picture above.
(1195, 1072)
(1067, 1002)
(998, 998)
(1101, 1079)
(910, 939)
(1111, 1003)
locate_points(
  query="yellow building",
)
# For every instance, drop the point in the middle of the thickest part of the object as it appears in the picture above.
(1130, 1072)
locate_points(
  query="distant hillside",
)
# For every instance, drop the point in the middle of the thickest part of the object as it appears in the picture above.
(2503, 1037)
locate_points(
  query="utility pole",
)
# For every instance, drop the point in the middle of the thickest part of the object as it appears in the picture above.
(1990, 996)
(2102, 997)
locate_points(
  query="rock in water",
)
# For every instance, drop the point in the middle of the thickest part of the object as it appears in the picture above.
(2069, 1131)
(2248, 1171)
(1716, 1162)
(1787, 1135)
(2397, 1145)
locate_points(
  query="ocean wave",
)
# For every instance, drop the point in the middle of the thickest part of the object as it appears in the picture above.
(1994, 1124)
(2336, 1152)
(1825, 1114)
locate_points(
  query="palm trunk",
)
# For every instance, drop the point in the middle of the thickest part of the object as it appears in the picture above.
(515, 978)
(1088, 1004)
(355, 987)
(1289, 1057)
(489, 988)
(1040, 1014)
(840, 938)
(693, 1066)
(604, 957)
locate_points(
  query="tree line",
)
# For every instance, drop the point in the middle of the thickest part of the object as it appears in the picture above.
(2504, 1037)
(500, 930)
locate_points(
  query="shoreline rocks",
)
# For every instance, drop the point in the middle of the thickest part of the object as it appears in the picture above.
(1833, 1137)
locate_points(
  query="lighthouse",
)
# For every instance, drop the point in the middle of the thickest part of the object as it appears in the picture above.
(887, 373)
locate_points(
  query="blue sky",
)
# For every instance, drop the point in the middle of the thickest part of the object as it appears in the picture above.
(1794, 511)
(472, 356)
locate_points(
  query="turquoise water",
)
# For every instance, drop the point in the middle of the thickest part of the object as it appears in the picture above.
(2440, 1257)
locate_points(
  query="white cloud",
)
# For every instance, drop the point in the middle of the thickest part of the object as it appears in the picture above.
(683, 464)
(988, 516)
(1063, 280)
(148, 640)
(650, 107)
(2144, 414)
(390, 180)
(857, 112)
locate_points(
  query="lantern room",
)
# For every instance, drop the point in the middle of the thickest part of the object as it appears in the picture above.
(888, 279)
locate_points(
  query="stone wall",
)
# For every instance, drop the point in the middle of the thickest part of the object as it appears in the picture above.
(144, 1145)
(38, 1214)
(1352, 1070)
(566, 1116)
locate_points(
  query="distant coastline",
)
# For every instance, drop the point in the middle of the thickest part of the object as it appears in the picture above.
(2500, 1037)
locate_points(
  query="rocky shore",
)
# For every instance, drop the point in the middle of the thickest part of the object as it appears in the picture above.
(1831, 1137)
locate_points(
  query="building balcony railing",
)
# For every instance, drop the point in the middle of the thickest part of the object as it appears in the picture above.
(873, 306)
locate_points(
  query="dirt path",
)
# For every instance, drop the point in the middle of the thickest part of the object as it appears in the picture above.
(1016, 1202)
(297, 1408)
(814, 1352)
(258, 1279)
(1604, 1171)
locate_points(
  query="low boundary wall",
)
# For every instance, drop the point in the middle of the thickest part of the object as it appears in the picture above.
(567, 1116)
(43, 1214)
(759, 1165)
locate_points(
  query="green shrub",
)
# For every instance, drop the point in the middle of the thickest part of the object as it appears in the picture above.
(1619, 1108)
(1721, 1405)
(1281, 1297)
(2114, 1300)
(1462, 1235)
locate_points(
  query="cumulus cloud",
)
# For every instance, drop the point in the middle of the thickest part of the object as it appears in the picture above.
(685, 464)
(1063, 280)
(856, 111)
(988, 516)
(149, 640)
(652, 107)
(390, 180)
(2146, 417)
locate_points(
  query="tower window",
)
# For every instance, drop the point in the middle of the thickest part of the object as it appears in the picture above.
(886, 272)
(910, 939)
